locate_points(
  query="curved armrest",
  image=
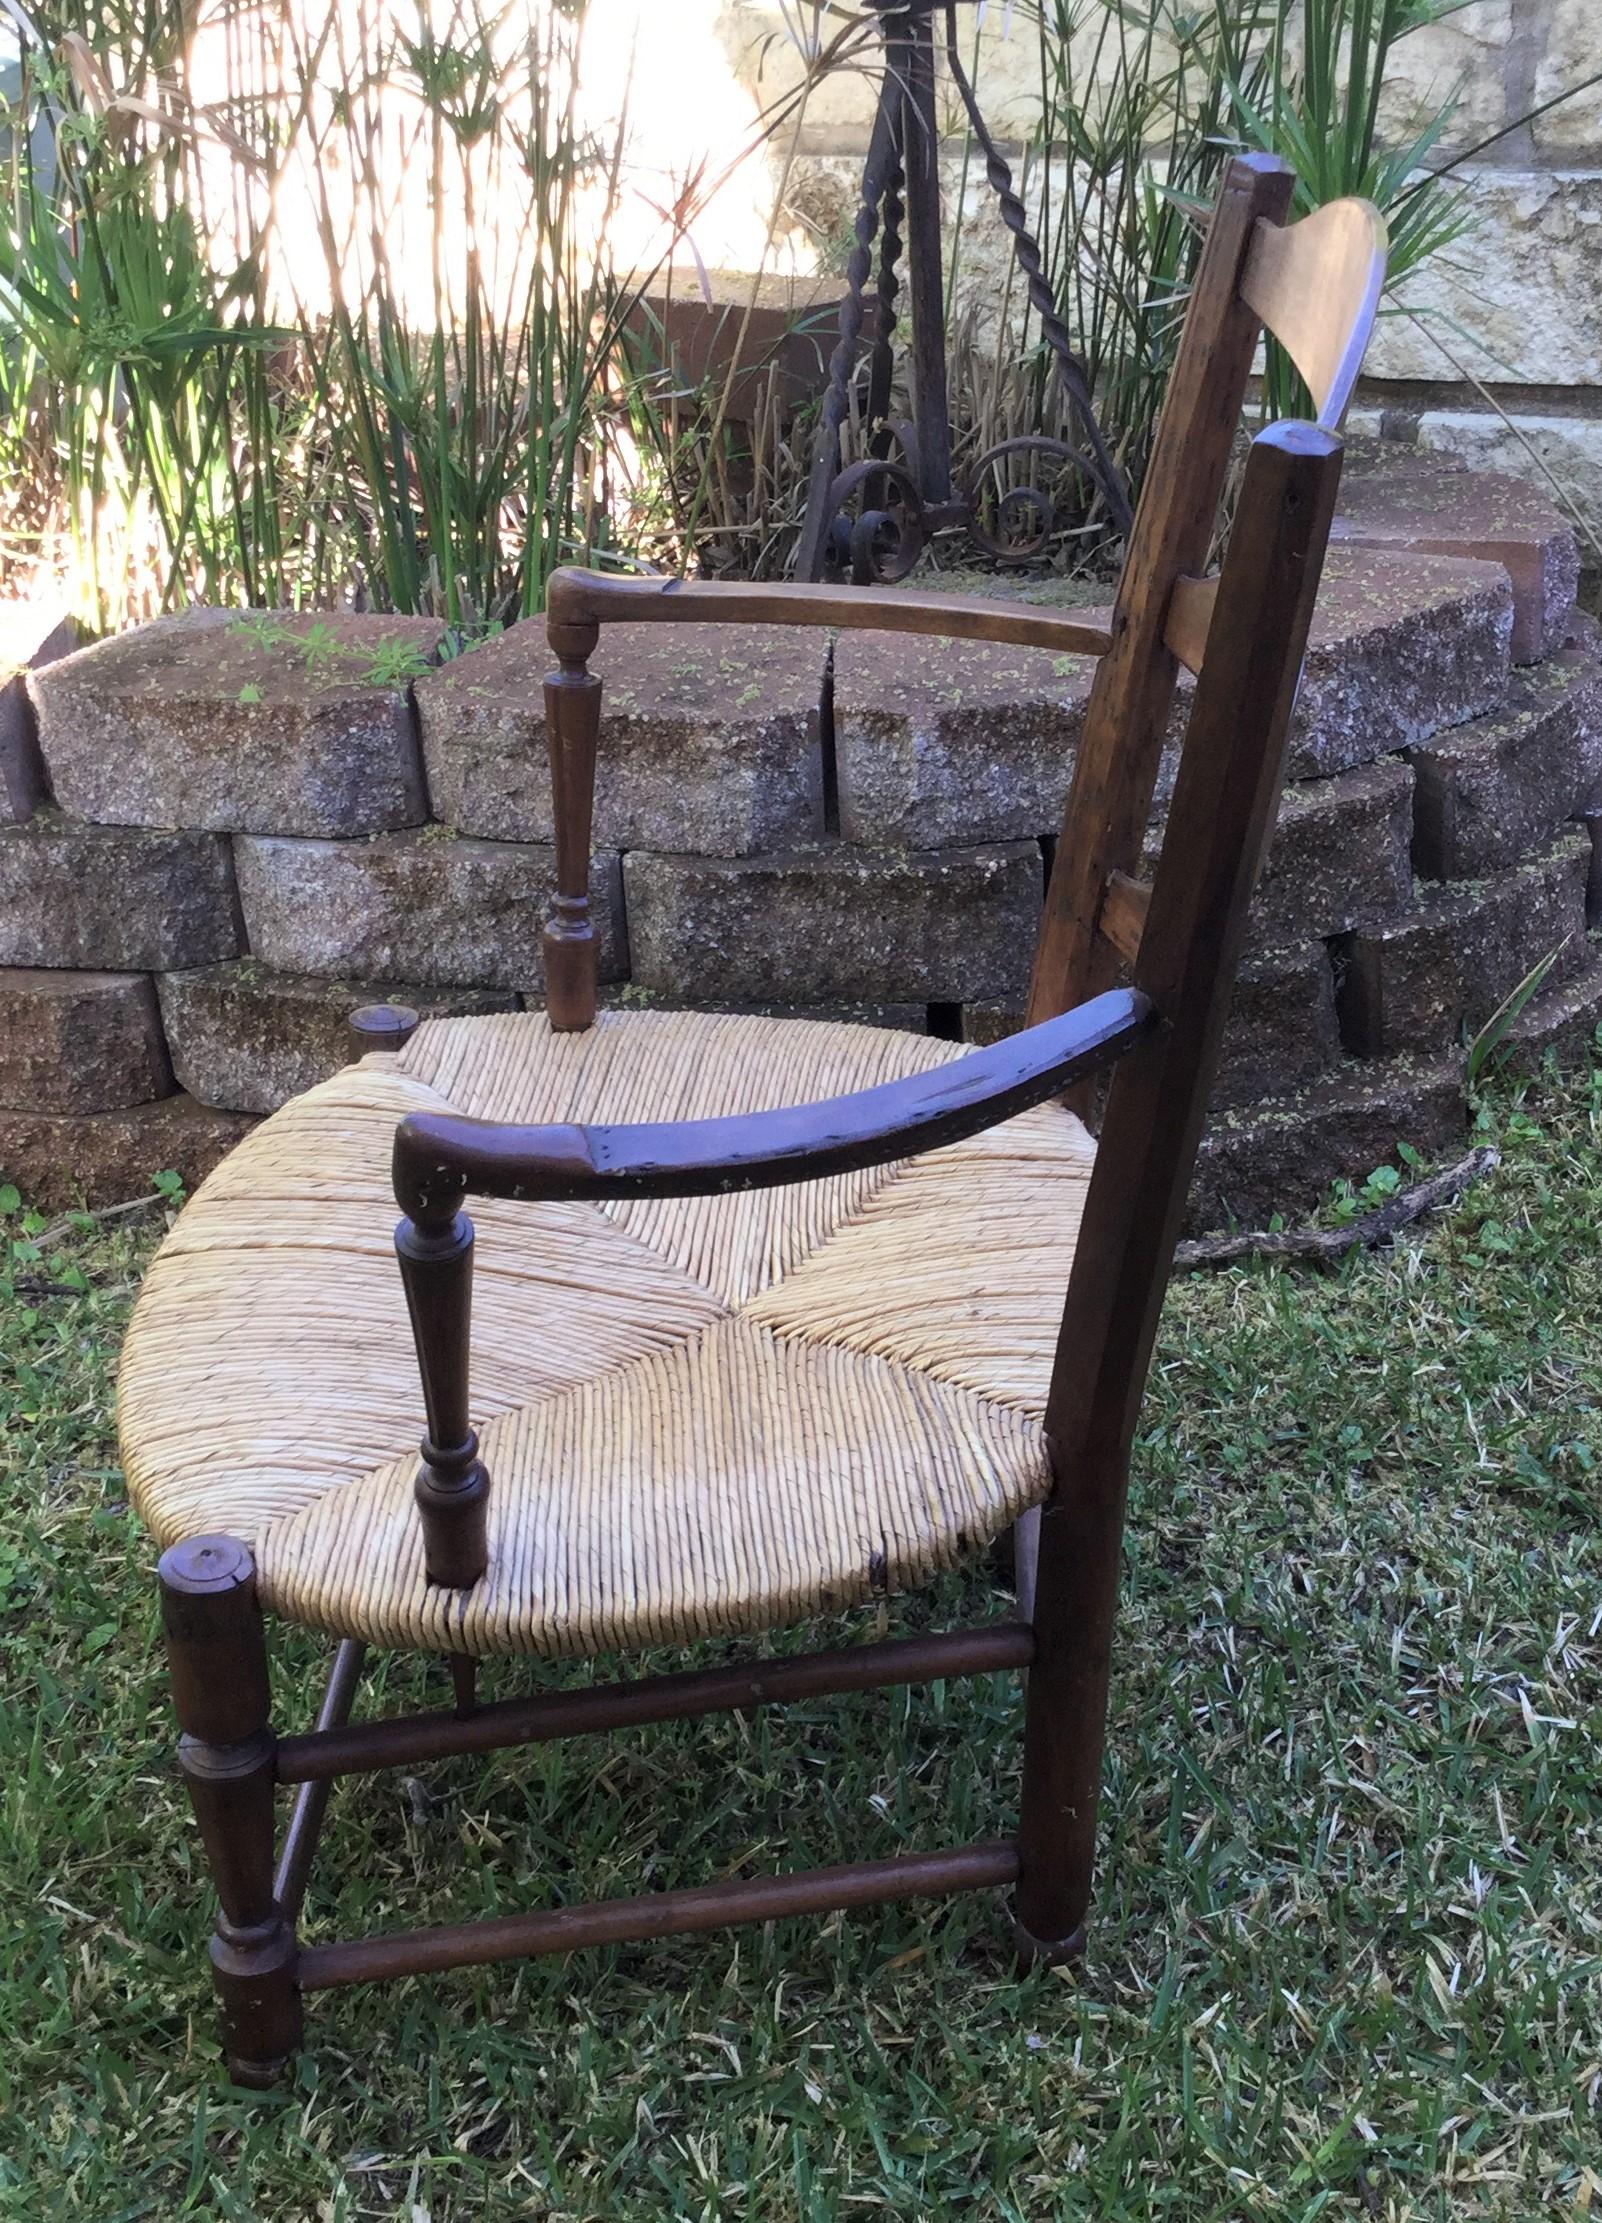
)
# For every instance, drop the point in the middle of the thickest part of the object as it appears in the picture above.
(586, 598)
(579, 603)
(440, 1159)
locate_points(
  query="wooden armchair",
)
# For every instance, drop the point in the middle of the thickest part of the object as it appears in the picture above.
(768, 1317)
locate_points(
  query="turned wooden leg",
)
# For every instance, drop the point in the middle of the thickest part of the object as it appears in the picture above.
(1065, 1718)
(217, 1658)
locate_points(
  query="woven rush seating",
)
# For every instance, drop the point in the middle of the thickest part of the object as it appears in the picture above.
(703, 1415)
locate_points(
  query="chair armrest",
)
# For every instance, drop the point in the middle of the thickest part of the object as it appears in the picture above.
(440, 1159)
(586, 598)
(579, 603)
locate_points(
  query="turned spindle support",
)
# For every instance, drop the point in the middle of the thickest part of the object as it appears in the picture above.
(217, 1661)
(435, 1249)
(572, 727)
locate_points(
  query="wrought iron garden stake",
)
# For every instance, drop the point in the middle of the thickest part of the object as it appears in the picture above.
(872, 519)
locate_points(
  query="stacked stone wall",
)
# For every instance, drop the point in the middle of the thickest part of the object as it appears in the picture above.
(223, 832)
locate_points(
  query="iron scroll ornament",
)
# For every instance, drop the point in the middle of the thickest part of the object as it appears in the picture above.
(871, 520)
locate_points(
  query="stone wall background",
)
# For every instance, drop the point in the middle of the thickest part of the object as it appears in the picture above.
(222, 832)
(1516, 306)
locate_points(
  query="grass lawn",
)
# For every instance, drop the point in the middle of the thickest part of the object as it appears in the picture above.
(1347, 1953)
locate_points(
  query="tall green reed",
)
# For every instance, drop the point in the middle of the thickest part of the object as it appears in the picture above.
(308, 304)
(1141, 103)
(304, 304)
(123, 339)
(1317, 101)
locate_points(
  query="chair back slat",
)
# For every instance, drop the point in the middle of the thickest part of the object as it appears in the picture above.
(1124, 905)
(1190, 618)
(1316, 286)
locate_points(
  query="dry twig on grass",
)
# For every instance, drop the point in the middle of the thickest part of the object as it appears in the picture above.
(70, 1223)
(1325, 1244)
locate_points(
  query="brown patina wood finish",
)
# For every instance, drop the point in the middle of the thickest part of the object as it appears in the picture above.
(1177, 940)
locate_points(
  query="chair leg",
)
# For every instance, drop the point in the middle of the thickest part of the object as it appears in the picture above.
(464, 1684)
(1065, 1718)
(217, 1659)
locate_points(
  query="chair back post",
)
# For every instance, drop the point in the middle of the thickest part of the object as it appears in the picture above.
(572, 729)
(1224, 804)
(1115, 771)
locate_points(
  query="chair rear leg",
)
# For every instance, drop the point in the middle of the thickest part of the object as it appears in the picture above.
(1065, 1717)
(217, 1659)
(1223, 808)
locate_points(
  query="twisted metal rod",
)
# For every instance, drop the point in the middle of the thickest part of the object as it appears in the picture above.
(881, 212)
(1015, 217)
(890, 244)
(842, 363)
